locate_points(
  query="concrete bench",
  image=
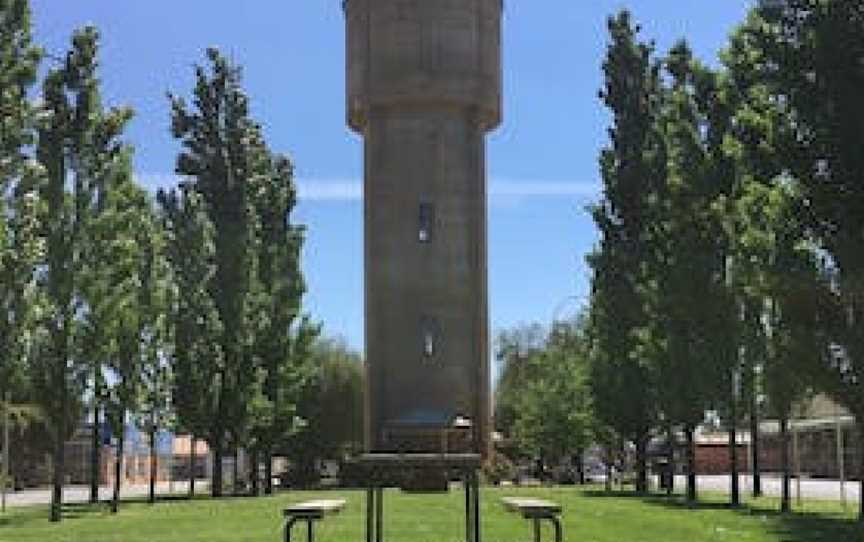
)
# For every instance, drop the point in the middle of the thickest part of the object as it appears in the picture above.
(536, 510)
(310, 512)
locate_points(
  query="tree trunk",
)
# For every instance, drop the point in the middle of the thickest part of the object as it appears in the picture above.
(216, 475)
(691, 464)
(58, 473)
(754, 447)
(670, 438)
(609, 476)
(784, 465)
(861, 469)
(118, 466)
(580, 466)
(609, 461)
(253, 471)
(153, 464)
(192, 466)
(641, 464)
(735, 495)
(235, 472)
(95, 448)
(268, 471)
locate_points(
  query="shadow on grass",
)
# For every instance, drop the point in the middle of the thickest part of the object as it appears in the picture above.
(791, 527)
(22, 519)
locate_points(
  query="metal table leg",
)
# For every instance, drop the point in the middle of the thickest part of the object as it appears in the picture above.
(379, 514)
(310, 532)
(370, 505)
(469, 522)
(559, 535)
(289, 524)
(536, 529)
(475, 496)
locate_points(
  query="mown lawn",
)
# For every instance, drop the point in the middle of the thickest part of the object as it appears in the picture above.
(589, 516)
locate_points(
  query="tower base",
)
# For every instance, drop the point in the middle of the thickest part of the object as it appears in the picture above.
(423, 473)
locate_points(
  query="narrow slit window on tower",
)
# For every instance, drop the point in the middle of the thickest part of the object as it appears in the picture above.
(428, 343)
(429, 336)
(426, 221)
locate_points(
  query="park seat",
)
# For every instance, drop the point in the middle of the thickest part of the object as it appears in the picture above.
(536, 510)
(310, 512)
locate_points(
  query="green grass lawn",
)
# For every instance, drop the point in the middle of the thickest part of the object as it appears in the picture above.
(589, 516)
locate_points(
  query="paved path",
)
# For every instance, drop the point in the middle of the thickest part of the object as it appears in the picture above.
(79, 494)
(810, 489)
(829, 490)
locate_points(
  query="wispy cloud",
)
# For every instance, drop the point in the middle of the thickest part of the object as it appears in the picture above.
(526, 188)
(329, 190)
(352, 190)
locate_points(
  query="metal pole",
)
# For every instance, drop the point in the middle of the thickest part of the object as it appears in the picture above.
(7, 400)
(797, 453)
(379, 515)
(370, 506)
(475, 496)
(469, 536)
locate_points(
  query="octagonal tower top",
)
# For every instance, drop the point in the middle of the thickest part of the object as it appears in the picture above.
(423, 53)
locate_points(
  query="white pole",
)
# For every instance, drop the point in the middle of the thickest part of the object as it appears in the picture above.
(7, 400)
(841, 460)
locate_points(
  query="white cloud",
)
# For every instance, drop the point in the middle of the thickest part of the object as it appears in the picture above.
(329, 190)
(517, 188)
(352, 190)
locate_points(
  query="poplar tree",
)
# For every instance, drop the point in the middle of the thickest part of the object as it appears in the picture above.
(125, 239)
(624, 387)
(248, 194)
(20, 244)
(284, 335)
(79, 147)
(689, 260)
(194, 329)
(222, 161)
(814, 51)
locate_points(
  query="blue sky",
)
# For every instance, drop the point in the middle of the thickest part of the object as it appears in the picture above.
(542, 162)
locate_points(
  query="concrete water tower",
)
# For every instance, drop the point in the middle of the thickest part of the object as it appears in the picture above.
(424, 88)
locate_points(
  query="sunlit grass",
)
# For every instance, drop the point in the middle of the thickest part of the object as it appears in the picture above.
(589, 516)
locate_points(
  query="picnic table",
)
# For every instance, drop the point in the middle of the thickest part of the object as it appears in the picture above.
(310, 512)
(537, 511)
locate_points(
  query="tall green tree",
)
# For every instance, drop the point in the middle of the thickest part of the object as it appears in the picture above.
(153, 297)
(127, 235)
(221, 162)
(79, 147)
(825, 97)
(813, 51)
(689, 260)
(281, 342)
(248, 194)
(194, 329)
(769, 240)
(20, 244)
(631, 167)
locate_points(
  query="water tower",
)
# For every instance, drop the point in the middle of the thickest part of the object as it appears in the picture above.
(424, 89)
